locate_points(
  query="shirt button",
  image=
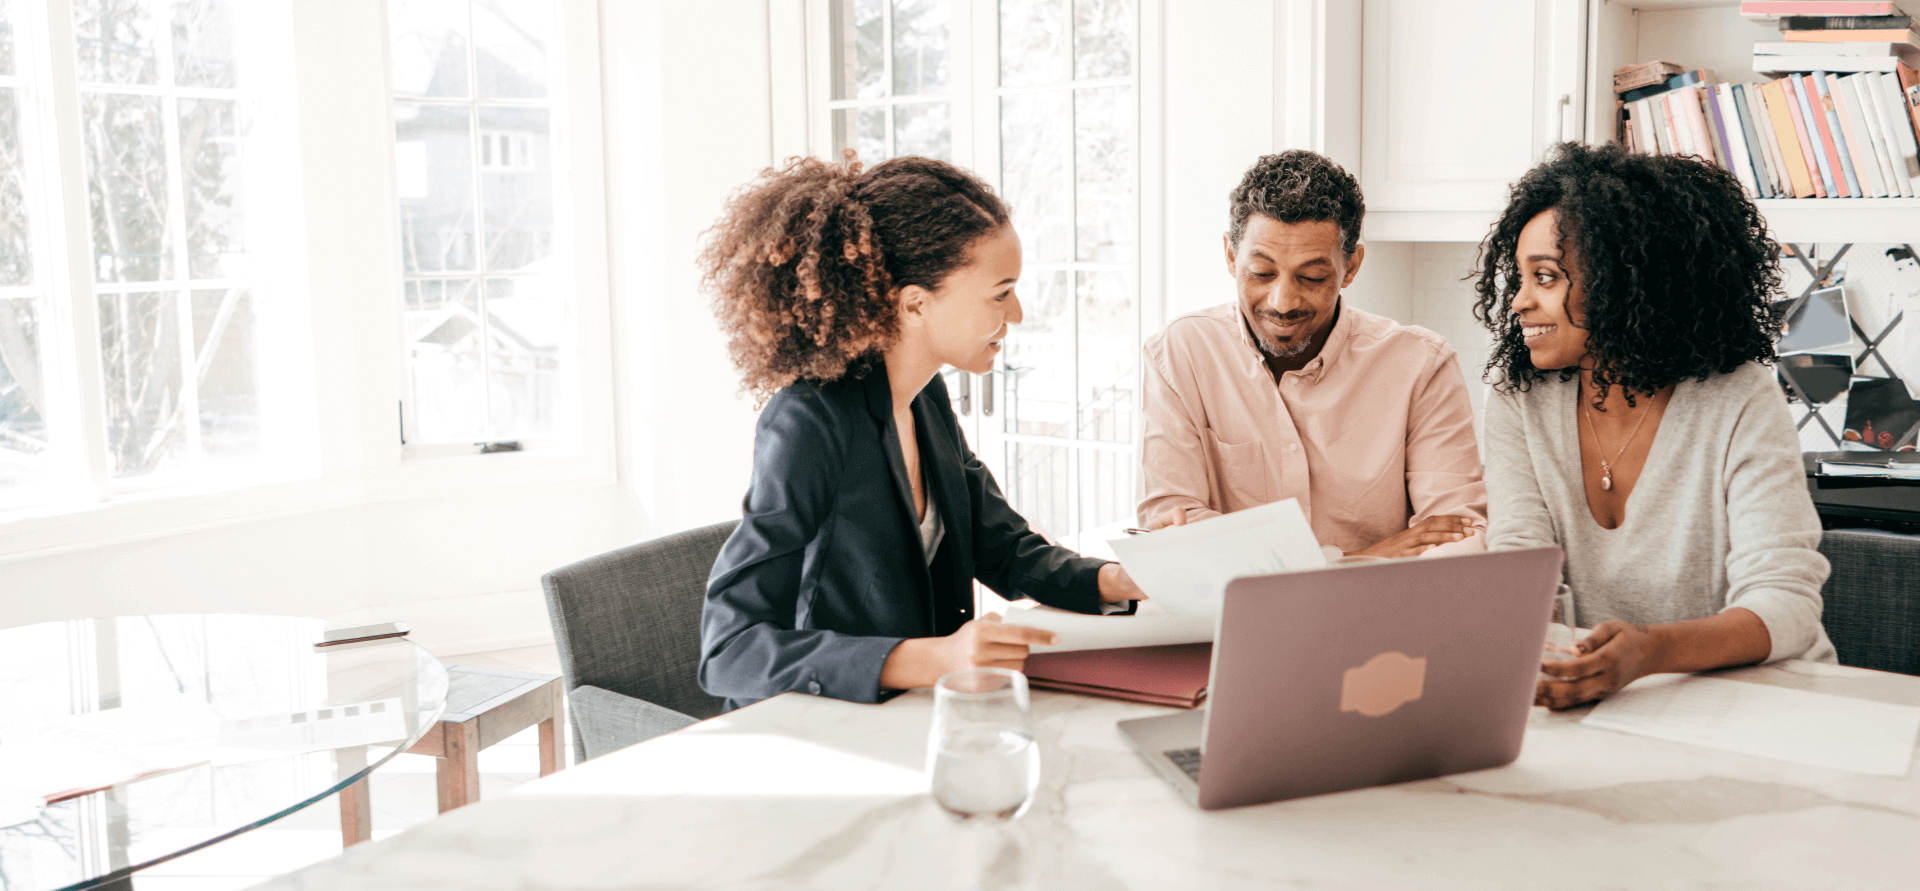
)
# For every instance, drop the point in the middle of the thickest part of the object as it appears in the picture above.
(813, 687)
(1293, 447)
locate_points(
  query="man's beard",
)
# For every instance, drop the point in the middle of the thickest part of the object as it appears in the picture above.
(1298, 345)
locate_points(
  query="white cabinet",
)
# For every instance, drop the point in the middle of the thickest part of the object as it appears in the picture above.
(1460, 99)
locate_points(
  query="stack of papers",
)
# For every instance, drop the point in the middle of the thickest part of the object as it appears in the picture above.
(1773, 722)
(1184, 570)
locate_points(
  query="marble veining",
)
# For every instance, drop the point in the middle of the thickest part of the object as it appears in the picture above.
(801, 792)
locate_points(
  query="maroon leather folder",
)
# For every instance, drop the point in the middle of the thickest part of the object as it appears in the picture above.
(1173, 675)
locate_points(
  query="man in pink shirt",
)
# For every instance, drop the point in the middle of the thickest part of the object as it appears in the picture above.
(1287, 393)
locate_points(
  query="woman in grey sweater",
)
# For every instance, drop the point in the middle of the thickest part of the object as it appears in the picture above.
(1634, 424)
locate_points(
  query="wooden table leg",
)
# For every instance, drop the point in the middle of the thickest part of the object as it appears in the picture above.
(459, 767)
(549, 748)
(356, 814)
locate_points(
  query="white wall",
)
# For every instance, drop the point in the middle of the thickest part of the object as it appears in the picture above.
(687, 98)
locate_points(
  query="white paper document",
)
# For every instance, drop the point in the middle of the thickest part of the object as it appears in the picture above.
(1185, 569)
(1083, 632)
(1819, 729)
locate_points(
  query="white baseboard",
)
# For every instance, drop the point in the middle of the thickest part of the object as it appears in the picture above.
(469, 623)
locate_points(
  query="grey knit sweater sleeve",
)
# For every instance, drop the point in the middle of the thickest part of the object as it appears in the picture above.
(1720, 518)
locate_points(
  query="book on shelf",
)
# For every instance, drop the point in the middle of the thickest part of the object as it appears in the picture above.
(1905, 51)
(1836, 64)
(1644, 74)
(1891, 35)
(1770, 10)
(1675, 82)
(1844, 23)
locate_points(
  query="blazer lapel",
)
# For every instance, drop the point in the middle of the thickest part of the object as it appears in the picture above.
(880, 405)
(941, 463)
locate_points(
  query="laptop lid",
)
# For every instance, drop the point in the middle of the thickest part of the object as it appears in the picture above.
(1367, 675)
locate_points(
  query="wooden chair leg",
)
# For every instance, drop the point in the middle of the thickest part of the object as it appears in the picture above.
(459, 767)
(356, 814)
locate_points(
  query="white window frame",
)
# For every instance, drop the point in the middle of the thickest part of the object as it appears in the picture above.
(345, 307)
(568, 249)
(65, 279)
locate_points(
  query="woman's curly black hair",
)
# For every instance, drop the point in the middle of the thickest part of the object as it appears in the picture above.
(1673, 260)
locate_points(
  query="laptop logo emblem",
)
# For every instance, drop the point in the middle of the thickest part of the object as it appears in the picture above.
(1383, 684)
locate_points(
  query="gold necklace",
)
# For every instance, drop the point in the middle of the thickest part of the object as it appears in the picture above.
(1606, 467)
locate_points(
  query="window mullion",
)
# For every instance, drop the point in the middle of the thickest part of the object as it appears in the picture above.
(81, 428)
(479, 227)
(188, 407)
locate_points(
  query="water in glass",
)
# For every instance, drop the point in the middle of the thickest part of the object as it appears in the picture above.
(981, 754)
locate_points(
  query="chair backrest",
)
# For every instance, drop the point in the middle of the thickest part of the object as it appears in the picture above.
(1872, 610)
(629, 620)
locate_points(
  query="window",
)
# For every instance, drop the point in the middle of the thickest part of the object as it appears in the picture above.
(146, 366)
(1058, 137)
(890, 78)
(484, 281)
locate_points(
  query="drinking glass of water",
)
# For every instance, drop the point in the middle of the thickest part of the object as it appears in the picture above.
(981, 753)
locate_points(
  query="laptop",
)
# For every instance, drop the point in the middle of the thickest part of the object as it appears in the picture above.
(1358, 676)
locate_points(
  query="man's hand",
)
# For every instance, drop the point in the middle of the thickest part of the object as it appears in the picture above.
(1118, 587)
(1175, 517)
(985, 642)
(1614, 655)
(1423, 535)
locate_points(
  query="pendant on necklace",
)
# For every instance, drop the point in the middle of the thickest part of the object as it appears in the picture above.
(1606, 477)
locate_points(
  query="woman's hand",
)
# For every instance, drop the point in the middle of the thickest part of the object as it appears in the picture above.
(1118, 587)
(985, 642)
(1614, 655)
(1420, 537)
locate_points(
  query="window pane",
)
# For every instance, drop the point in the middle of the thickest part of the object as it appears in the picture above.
(114, 41)
(524, 318)
(1106, 487)
(920, 47)
(862, 129)
(434, 152)
(1109, 332)
(1037, 478)
(516, 186)
(1102, 38)
(858, 35)
(203, 49)
(127, 187)
(1035, 42)
(428, 47)
(447, 360)
(23, 410)
(510, 47)
(1039, 357)
(16, 243)
(1103, 173)
(922, 130)
(6, 37)
(224, 347)
(210, 142)
(1035, 143)
(140, 371)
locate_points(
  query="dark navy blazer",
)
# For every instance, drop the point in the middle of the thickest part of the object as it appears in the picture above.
(826, 572)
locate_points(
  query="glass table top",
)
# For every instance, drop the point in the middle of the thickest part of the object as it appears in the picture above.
(154, 736)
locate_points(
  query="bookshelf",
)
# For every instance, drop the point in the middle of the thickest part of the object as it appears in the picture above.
(1708, 34)
(1714, 36)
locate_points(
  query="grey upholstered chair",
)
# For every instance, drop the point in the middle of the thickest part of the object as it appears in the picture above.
(1873, 598)
(628, 628)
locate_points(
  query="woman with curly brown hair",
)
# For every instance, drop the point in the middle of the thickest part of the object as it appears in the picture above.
(1634, 424)
(843, 293)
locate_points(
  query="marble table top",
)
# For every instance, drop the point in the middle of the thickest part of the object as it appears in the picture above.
(803, 792)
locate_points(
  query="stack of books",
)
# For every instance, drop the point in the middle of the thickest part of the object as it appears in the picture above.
(1839, 120)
